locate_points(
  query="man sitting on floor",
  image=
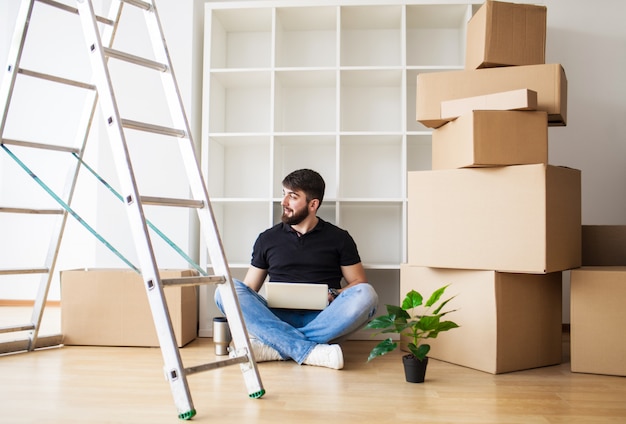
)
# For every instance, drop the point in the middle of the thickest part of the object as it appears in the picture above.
(304, 248)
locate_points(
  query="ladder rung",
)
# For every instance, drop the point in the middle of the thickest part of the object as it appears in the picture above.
(218, 364)
(55, 78)
(193, 281)
(163, 201)
(22, 271)
(74, 10)
(15, 328)
(140, 4)
(40, 146)
(4, 209)
(156, 129)
(21, 345)
(116, 54)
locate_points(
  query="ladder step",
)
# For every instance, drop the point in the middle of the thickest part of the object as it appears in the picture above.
(74, 10)
(217, 364)
(41, 146)
(54, 78)
(137, 60)
(31, 211)
(138, 3)
(193, 281)
(155, 129)
(22, 345)
(15, 328)
(164, 201)
(23, 271)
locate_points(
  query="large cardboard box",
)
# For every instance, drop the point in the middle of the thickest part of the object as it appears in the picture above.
(506, 34)
(523, 218)
(598, 319)
(109, 307)
(522, 99)
(508, 322)
(547, 80)
(604, 245)
(491, 138)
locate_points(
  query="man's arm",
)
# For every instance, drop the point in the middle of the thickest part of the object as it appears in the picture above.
(255, 278)
(353, 274)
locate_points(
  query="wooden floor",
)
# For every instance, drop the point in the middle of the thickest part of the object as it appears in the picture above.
(126, 385)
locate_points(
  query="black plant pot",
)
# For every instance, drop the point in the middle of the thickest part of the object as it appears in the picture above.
(414, 369)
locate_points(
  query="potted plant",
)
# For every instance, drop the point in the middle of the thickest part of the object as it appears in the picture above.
(418, 325)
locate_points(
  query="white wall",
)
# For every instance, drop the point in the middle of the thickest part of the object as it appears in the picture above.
(587, 38)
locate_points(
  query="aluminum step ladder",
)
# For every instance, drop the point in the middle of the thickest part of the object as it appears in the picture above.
(98, 48)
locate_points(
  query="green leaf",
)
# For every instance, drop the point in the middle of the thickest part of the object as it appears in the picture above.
(428, 322)
(447, 325)
(420, 351)
(382, 348)
(440, 307)
(412, 300)
(435, 296)
(384, 321)
(398, 312)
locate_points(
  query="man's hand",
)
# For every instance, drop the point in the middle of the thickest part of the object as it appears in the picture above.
(332, 295)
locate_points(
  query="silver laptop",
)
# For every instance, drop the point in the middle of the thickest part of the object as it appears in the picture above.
(296, 295)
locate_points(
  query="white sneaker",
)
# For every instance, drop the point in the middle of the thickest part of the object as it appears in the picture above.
(324, 355)
(262, 352)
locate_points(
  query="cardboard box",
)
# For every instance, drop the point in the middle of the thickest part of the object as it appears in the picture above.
(597, 320)
(547, 80)
(604, 245)
(109, 307)
(491, 138)
(508, 322)
(522, 99)
(506, 34)
(523, 218)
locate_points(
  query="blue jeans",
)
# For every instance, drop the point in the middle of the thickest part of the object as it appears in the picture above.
(294, 333)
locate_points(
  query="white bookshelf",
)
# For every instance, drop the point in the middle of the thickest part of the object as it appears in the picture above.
(327, 85)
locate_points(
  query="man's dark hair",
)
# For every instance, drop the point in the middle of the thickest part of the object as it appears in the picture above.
(308, 181)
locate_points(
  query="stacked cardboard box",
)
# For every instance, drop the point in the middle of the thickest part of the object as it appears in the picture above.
(492, 218)
(598, 290)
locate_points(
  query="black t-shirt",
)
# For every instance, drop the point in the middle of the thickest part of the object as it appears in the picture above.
(314, 257)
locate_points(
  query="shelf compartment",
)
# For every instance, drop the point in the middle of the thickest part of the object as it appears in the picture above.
(377, 229)
(317, 152)
(369, 166)
(306, 37)
(240, 102)
(371, 100)
(371, 35)
(418, 152)
(240, 224)
(239, 166)
(435, 34)
(241, 38)
(306, 101)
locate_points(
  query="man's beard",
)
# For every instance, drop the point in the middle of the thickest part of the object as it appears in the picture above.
(296, 218)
